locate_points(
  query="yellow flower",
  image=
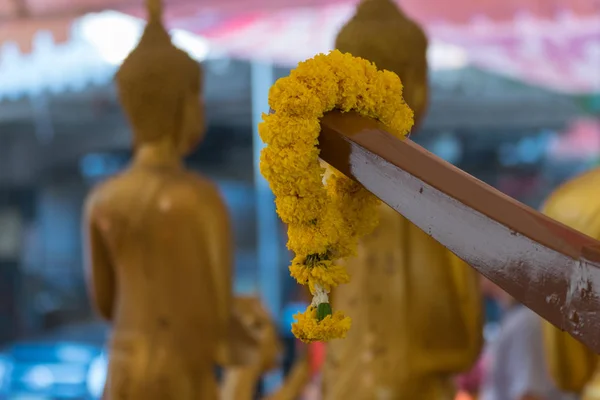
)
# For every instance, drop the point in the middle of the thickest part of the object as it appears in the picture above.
(358, 206)
(324, 221)
(308, 329)
(320, 79)
(292, 171)
(321, 272)
(314, 237)
(295, 210)
(282, 131)
(288, 97)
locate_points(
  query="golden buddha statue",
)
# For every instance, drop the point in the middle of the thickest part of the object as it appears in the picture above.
(254, 339)
(158, 237)
(259, 336)
(416, 308)
(572, 365)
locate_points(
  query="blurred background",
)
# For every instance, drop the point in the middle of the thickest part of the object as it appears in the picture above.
(515, 102)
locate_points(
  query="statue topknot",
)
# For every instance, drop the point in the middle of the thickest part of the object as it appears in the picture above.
(154, 80)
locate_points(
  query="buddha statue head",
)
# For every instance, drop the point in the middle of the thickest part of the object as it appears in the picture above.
(160, 89)
(381, 33)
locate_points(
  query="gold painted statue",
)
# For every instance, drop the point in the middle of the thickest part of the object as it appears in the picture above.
(573, 366)
(254, 340)
(257, 339)
(416, 308)
(158, 237)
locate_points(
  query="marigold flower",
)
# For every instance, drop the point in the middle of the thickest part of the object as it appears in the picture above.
(325, 220)
(308, 329)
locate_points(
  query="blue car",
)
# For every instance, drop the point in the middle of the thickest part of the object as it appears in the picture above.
(68, 364)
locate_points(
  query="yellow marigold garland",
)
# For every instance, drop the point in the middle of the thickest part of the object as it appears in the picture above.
(324, 221)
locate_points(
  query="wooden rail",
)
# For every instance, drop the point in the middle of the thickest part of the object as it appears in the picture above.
(552, 269)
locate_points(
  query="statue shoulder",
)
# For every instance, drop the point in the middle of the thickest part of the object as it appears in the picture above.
(576, 204)
(201, 193)
(200, 187)
(188, 192)
(96, 198)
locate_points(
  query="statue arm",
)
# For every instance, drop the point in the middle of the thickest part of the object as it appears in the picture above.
(470, 298)
(463, 339)
(220, 248)
(461, 357)
(447, 306)
(100, 275)
(570, 363)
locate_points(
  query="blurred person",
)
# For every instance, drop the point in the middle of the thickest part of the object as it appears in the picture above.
(516, 366)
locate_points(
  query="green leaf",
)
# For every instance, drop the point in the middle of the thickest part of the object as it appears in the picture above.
(323, 310)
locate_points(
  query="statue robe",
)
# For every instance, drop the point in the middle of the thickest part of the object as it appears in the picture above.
(417, 318)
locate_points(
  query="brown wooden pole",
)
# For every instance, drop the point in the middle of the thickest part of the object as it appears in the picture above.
(552, 269)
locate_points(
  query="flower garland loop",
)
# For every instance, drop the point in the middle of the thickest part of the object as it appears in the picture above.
(326, 212)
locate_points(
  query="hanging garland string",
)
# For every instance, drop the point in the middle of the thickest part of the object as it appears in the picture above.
(325, 211)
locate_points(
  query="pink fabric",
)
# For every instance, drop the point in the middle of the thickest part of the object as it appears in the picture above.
(580, 140)
(561, 52)
(471, 381)
(552, 43)
(552, 46)
(457, 11)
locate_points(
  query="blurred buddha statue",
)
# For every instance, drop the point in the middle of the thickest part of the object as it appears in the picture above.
(254, 339)
(416, 308)
(573, 366)
(158, 237)
(250, 317)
